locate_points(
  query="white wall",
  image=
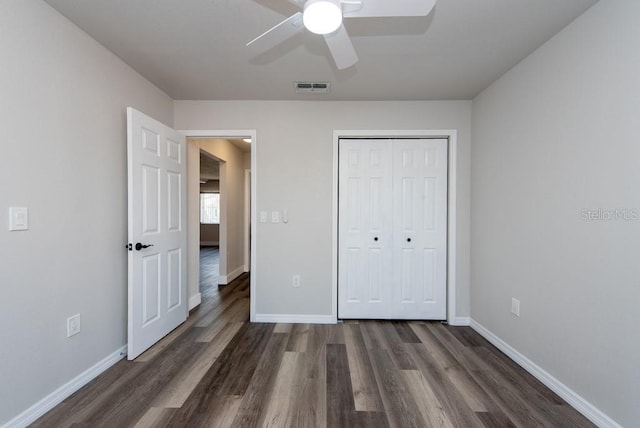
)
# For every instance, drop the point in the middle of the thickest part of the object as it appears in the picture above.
(209, 234)
(62, 125)
(295, 171)
(558, 134)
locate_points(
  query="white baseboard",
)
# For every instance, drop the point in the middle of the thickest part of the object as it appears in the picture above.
(591, 412)
(195, 300)
(460, 321)
(209, 243)
(295, 319)
(56, 397)
(225, 279)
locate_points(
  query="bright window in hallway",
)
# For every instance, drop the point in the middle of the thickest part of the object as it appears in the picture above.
(209, 208)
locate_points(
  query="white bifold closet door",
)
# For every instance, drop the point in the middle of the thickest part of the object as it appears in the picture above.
(392, 226)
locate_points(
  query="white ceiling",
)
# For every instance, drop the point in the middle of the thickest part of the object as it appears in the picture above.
(195, 49)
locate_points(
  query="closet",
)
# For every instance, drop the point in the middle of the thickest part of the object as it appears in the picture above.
(392, 228)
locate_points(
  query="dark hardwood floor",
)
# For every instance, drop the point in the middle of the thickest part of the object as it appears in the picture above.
(219, 370)
(209, 270)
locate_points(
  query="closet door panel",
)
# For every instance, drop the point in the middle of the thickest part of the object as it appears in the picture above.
(364, 232)
(420, 228)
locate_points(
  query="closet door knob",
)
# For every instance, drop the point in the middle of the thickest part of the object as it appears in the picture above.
(408, 239)
(375, 239)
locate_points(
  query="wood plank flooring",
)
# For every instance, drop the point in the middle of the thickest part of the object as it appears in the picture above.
(219, 370)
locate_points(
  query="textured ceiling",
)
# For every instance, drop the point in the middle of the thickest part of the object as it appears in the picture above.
(195, 49)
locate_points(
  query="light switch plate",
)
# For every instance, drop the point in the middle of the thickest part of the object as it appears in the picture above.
(73, 325)
(18, 218)
(263, 216)
(275, 217)
(515, 307)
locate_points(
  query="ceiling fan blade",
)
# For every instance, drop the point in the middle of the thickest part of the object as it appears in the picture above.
(380, 8)
(341, 48)
(278, 34)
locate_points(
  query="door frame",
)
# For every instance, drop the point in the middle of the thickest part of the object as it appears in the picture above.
(248, 185)
(193, 259)
(451, 135)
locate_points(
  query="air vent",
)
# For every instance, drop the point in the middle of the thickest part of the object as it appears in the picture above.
(312, 87)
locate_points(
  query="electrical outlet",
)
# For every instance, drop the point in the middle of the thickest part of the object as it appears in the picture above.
(295, 281)
(515, 307)
(73, 325)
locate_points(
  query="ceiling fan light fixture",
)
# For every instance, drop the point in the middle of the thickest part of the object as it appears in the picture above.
(322, 16)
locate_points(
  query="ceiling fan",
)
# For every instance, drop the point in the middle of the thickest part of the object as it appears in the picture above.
(324, 17)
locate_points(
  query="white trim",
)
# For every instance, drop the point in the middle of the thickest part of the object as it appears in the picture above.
(295, 319)
(209, 243)
(225, 279)
(254, 228)
(461, 322)
(576, 401)
(31, 414)
(452, 218)
(195, 300)
(223, 235)
(247, 219)
(452, 136)
(252, 133)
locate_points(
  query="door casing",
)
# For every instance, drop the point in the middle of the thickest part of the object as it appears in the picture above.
(451, 136)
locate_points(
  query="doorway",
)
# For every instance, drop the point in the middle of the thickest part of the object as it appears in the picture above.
(236, 151)
(210, 222)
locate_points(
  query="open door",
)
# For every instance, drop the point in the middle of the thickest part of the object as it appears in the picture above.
(157, 180)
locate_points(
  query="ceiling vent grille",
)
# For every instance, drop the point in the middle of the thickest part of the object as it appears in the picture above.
(312, 87)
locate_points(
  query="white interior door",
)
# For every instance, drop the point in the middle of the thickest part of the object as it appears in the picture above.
(157, 172)
(392, 227)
